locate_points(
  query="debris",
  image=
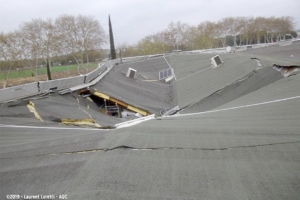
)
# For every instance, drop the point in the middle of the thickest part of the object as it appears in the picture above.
(80, 122)
(31, 107)
(287, 70)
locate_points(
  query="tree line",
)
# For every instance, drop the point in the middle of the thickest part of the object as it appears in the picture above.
(230, 31)
(42, 40)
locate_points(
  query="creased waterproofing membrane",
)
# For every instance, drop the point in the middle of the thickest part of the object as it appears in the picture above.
(246, 153)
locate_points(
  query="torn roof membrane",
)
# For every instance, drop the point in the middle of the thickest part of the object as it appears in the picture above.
(246, 146)
(194, 84)
(287, 70)
(121, 103)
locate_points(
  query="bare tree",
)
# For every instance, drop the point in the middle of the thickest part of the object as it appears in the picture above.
(176, 33)
(41, 38)
(5, 58)
(191, 37)
(93, 34)
(10, 53)
(284, 25)
(153, 44)
(230, 27)
(78, 35)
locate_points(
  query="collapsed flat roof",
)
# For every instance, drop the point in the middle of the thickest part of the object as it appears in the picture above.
(242, 147)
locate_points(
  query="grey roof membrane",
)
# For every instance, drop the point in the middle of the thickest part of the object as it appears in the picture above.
(236, 135)
(145, 91)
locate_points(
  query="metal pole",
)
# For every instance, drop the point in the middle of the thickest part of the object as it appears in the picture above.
(120, 56)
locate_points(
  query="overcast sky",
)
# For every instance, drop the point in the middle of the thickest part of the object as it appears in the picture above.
(132, 20)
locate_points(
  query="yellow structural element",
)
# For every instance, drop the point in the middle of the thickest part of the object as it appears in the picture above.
(138, 110)
(31, 107)
(121, 103)
(102, 95)
(81, 122)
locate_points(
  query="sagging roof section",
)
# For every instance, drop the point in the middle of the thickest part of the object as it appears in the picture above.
(251, 82)
(208, 155)
(144, 91)
(121, 103)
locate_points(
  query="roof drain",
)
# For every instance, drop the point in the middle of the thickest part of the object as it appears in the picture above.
(287, 71)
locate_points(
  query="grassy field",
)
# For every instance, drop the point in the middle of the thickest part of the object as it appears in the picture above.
(19, 77)
(23, 73)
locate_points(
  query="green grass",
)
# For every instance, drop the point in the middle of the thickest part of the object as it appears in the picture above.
(22, 73)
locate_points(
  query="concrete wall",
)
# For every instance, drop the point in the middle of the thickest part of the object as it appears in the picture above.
(92, 75)
(18, 92)
(60, 84)
(26, 90)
